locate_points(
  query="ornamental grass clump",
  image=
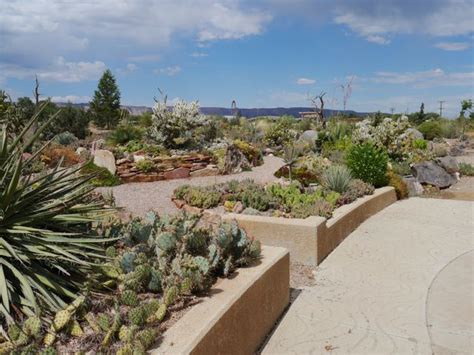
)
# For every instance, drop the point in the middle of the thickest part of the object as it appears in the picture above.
(337, 178)
(368, 163)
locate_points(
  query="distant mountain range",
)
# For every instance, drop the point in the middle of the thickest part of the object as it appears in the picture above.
(245, 112)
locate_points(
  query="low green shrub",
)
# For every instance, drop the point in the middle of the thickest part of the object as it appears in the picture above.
(368, 163)
(401, 168)
(124, 134)
(466, 169)
(102, 177)
(357, 188)
(420, 144)
(319, 208)
(337, 178)
(280, 134)
(431, 130)
(145, 165)
(197, 196)
(65, 138)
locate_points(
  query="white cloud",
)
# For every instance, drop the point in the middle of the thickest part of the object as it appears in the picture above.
(170, 71)
(59, 71)
(424, 79)
(453, 46)
(374, 20)
(198, 55)
(377, 39)
(144, 58)
(305, 81)
(75, 99)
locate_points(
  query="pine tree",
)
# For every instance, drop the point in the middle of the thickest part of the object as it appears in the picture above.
(105, 106)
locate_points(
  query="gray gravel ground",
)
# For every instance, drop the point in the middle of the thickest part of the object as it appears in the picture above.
(139, 198)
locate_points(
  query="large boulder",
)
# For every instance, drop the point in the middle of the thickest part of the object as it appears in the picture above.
(105, 159)
(235, 161)
(430, 173)
(450, 164)
(210, 170)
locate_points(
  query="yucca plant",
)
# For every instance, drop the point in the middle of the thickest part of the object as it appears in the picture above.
(47, 248)
(337, 178)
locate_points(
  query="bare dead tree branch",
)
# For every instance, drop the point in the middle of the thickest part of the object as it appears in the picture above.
(318, 104)
(36, 92)
(346, 92)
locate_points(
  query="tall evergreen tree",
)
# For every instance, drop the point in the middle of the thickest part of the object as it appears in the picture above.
(105, 106)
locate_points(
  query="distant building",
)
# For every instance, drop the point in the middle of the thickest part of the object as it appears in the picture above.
(309, 114)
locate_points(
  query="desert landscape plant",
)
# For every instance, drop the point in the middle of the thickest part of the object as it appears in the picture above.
(48, 248)
(368, 163)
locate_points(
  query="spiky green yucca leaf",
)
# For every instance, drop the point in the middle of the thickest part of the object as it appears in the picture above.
(46, 248)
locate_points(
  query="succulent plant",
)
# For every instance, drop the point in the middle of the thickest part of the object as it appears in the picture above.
(127, 261)
(32, 326)
(137, 315)
(129, 298)
(103, 321)
(147, 337)
(61, 319)
(171, 294)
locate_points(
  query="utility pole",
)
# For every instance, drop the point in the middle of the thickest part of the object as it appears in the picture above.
(441, 108)
(392, 110)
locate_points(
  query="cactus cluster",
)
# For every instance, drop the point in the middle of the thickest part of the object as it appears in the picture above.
(157, 263)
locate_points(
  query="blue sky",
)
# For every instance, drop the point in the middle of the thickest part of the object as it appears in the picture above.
(263, 53)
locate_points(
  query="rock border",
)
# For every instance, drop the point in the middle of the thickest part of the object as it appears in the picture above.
(312, 239)
(239, 312)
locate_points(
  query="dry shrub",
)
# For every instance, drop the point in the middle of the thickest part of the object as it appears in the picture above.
(52, 156)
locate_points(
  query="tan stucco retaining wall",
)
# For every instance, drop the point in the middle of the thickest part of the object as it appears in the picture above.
(310, 240)
(239, 312)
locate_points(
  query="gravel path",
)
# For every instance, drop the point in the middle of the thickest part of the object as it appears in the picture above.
(139, 198)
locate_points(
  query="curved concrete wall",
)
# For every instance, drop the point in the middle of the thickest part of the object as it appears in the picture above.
(310, 240)
(238, 313)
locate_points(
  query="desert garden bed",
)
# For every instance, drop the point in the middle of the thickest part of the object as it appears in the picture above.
(322, 220)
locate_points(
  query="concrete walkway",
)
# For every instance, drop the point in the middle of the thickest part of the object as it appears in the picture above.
(402, 283)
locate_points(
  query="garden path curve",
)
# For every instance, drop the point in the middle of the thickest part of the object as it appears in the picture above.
(402, 283)
(139, 198)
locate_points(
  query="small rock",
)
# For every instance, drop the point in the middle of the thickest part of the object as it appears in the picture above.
(121, 161)
(179, 203)
(127, 175)
(192, 210)
(179, 173)
(268, 151)
(81, 151)
(105, 159)
(26, 156)
(238, 207)
(414, 187)
(137, 158)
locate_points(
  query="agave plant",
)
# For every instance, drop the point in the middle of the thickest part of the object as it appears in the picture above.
(47, 248)
(337, 178)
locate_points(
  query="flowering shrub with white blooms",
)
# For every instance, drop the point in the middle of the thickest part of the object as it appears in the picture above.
(396, 136)
(175, 128)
